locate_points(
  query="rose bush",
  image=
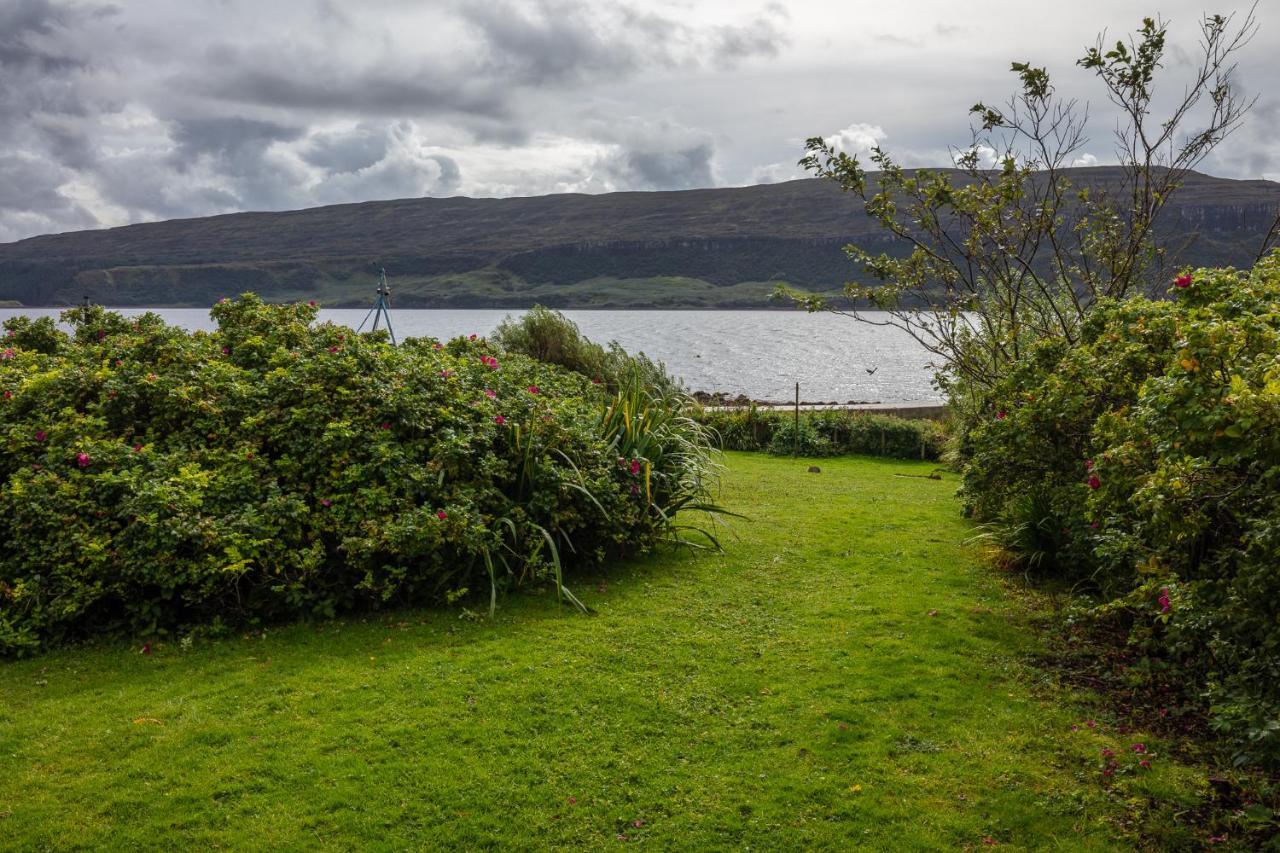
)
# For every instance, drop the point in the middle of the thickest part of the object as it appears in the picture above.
(1144, 463)
(153, 479)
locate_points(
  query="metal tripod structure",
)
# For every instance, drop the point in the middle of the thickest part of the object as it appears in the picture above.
(381, 307)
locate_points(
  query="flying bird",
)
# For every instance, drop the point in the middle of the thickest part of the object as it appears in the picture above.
(872, 370)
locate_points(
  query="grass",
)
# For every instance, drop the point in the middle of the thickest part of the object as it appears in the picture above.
(336, 286)
(847, 674)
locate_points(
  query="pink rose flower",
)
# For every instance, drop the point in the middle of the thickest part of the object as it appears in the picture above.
(82, 459)
(1183, 280)
(499, 420)
(441, 514)
(1094, 482)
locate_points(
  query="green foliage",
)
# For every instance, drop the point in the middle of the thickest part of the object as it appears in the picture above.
(802, 439)
(551, 337)
(826, 433)
(1011, 246)
(152, 479)
(695, 712)
(1151, 454)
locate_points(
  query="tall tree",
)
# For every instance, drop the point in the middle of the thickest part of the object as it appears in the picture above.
(1012, 245)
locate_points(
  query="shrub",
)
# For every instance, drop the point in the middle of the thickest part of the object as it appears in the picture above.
(1153, 449)
(153, 479)
(826, 432)
(791, 437)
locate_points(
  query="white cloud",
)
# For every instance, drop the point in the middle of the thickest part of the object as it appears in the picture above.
(775, 173)
(858, 138)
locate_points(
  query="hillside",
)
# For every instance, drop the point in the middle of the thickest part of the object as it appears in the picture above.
(690, 248)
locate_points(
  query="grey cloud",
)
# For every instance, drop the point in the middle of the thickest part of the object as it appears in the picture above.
(24, 25)
(1253, 151)
(325, 88)
(763, 36)
(450, 174)
(346, 152)
(30, 201)
(517, 46)
(392, 177)
(658, 156)
(677, 169)
(36, 67)
(370, 162)
(226, 137)
(554, 41)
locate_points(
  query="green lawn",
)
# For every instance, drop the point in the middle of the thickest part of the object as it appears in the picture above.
(847, 674)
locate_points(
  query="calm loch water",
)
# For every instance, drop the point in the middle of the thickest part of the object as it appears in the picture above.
(758, 353)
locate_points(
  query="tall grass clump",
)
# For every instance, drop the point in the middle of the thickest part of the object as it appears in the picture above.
(647, 417)
(550, 337)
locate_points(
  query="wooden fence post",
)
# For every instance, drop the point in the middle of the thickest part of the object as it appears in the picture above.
(795, 444)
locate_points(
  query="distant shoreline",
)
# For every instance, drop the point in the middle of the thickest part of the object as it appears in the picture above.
(358, 306)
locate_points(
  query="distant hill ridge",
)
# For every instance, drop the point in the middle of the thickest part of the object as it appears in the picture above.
(723, 247)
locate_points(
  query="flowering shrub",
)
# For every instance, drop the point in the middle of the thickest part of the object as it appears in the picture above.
(153, 479)
(1149, 456)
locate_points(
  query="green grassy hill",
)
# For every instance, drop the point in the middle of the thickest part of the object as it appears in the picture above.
(690, 248)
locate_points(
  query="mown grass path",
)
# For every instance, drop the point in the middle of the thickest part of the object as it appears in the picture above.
(847, 675)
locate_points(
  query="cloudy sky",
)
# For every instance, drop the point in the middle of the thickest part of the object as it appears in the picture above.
(135, 110)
